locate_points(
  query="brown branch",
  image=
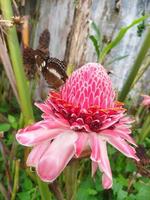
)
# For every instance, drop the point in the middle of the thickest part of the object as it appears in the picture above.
(54, 187)
(4, 192)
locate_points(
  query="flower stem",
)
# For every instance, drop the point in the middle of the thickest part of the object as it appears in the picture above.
(22, 86)
(137, 64)
(71, 179)
(145, 130)
(56, 190)
(44, 190)
(17, 63)
(16, 180)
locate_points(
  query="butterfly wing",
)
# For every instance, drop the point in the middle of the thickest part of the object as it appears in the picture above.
(54, 72)
(44, 41)
(29, 62)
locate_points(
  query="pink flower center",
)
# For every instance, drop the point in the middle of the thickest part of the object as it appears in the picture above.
(91, 119)
(89, 86)
(86, 101)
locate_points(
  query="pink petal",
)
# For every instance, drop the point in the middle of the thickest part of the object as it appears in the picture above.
(146, 101)
(104, 165)
(125, 136)
(40, 131)
(106, 182)
(118, 133)
(81, 143)
(44, 107)
(123, 147)
(94, 167)
(112, 121)
(94, 144)
(126, 120)
(36, 153)
(57, 156)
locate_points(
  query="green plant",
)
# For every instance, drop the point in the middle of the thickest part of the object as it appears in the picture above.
(97, 39)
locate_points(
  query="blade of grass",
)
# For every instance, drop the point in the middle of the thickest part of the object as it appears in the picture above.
(118, 38)
(96, 29)
(95, 43)
(96, 39)
(16, 180)
(137, 64)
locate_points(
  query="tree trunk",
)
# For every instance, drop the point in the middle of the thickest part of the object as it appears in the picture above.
(69, 25)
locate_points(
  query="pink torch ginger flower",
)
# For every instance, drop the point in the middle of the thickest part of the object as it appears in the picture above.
(82, 116)
(146, 100)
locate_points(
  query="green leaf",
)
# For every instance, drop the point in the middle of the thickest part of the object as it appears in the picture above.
(27, 184)
(92, 191)
(116, 186)
(4, 127)
(116, 59)
(96, 39)
(130, 166)
(122, 195)
(86, 190)
(12, 121)
(131, 197)
(95, 43)
(123, 181)
(144, 192)
(132, 76)
(24, 196)
(119, 37)
(96, 29)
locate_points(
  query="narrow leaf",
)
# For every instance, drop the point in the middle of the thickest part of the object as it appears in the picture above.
(117, 59)
(119, 37)
(96, 29)
(95, 43)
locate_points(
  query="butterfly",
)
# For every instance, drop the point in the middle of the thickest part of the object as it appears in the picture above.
(52, 69)
(143, 165)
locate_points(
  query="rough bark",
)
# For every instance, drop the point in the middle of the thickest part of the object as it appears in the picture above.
(78, 36)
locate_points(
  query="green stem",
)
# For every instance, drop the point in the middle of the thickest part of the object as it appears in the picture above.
(16, 180)
(44, 190)
(145, 130)
(137, 64)
(16, 59)
(22, 86)
(71, 179)
(140, 111)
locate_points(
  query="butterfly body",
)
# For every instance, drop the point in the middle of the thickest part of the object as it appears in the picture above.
(52, 69)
